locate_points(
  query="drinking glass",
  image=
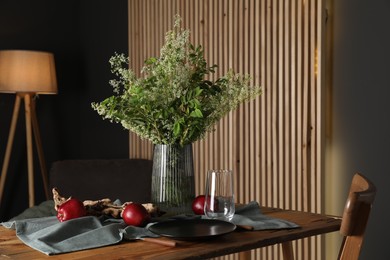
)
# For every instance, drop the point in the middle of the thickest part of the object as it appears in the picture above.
(219, 196)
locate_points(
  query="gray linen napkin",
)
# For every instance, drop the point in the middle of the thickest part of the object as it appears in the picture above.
(133, 233)
(49, 236)
(250, 215)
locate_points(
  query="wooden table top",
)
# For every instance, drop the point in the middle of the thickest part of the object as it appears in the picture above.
(240, 240)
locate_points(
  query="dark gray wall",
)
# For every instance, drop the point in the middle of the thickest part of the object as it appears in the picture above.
(82, 35)
(360, 129)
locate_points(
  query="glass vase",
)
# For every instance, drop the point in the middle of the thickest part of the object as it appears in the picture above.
(173, 183)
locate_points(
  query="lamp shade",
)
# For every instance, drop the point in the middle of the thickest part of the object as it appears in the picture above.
(27, 71)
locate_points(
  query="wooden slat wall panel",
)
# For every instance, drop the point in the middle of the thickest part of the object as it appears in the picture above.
(274, 143)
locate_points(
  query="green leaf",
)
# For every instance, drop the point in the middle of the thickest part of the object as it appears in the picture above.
(176, 128)
(198, 91)
(196, 113)
(150, 61)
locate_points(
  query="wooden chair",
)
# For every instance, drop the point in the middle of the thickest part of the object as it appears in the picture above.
(356, 212)
(355, 217)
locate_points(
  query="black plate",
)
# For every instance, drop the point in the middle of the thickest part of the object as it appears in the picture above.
(192, 229)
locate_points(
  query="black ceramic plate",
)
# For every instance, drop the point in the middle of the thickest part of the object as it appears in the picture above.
(192, 229)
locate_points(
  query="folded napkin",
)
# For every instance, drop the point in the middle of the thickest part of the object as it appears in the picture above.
(250, 215)
(49, 236)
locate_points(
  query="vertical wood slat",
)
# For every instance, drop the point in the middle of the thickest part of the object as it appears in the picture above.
(274, 143)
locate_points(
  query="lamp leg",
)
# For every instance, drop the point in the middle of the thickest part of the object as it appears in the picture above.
(9, 145)
(30, 163)
(38, 143)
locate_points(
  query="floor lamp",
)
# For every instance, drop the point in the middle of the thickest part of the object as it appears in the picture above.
(27, 74)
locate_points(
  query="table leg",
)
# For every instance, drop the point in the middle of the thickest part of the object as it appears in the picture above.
(246, 255)
(288, 252)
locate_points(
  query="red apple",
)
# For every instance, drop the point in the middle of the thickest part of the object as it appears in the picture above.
(72, 208)
(198, 205)
(136, 215)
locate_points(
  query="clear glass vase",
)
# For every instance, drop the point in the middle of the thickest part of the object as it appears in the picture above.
(173, 183)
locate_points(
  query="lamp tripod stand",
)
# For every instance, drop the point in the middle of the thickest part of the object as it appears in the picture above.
(27, 74)
(31, 127)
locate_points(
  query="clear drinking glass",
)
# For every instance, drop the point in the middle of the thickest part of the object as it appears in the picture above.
(219, 196)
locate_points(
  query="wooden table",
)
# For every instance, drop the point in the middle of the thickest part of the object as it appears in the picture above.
(240, 240)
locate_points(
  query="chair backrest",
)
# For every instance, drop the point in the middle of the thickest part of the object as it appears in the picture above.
(356, 212)
(124, 179)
